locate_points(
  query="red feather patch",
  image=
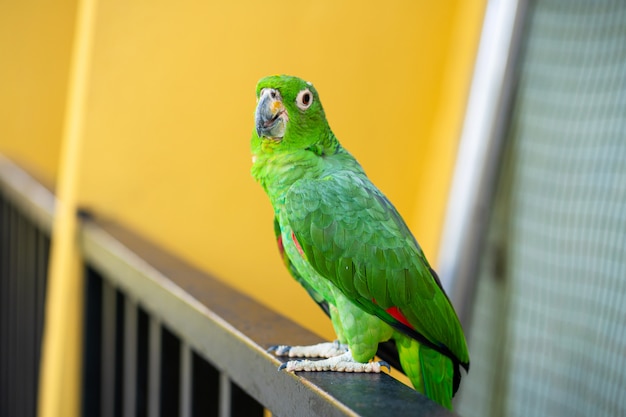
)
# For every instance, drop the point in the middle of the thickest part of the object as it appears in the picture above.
(293, 237)
(397, 314)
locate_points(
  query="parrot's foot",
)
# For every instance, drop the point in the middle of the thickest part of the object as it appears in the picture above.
(341, 363)
(321, 350)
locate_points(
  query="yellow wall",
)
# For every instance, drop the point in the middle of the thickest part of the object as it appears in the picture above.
(170, 111)
(35, 47)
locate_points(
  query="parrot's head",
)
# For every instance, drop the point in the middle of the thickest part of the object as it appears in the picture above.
(289, 114)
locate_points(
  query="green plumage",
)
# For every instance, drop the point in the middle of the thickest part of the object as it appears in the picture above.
(348, 246)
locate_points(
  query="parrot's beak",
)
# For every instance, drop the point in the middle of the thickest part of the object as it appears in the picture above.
(270, 115)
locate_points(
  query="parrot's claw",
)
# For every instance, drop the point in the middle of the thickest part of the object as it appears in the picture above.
(321, 350)
(341, 363)
(279, 350)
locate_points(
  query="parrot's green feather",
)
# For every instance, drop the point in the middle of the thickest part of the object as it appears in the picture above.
(404, 282)
(294, 272)
(347, 245)
(433, 371)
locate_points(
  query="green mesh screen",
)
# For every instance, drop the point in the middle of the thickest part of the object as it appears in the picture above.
(548, 334)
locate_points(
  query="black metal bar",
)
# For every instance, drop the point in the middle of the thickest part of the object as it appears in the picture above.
(154, 368)
(26, 317)
(5, 239)
(170, 364)
(11, 313)
(242, 404)
(2, 305)
(107, 355)
(19, 310)
(204, 387)
(120, 323)
(185, 380)
(130, 357)
(92, 370)
(143, 377)
(42, 258)
(225, 396)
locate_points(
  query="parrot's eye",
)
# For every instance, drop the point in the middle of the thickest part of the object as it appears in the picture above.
(304, 99)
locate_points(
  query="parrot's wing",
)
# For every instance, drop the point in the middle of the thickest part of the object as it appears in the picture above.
(386, 350)
(353, 236)
(317, 297)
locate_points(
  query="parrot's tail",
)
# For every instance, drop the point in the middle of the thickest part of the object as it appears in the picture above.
(430, 372)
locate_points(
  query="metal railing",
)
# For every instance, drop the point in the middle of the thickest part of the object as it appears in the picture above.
(24, 251)
(162, 338)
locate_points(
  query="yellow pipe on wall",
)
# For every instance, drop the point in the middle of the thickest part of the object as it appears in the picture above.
(59, 382)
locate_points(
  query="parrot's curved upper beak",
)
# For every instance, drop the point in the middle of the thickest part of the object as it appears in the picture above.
(270, 115)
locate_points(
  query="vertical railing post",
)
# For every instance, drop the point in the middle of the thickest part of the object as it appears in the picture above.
(185, 380)
(130, 357)
(225, 395)
(154, 367)
(4, 302)
(107, 393)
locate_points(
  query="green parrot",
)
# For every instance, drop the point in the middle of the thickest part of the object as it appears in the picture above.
(346, 244)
